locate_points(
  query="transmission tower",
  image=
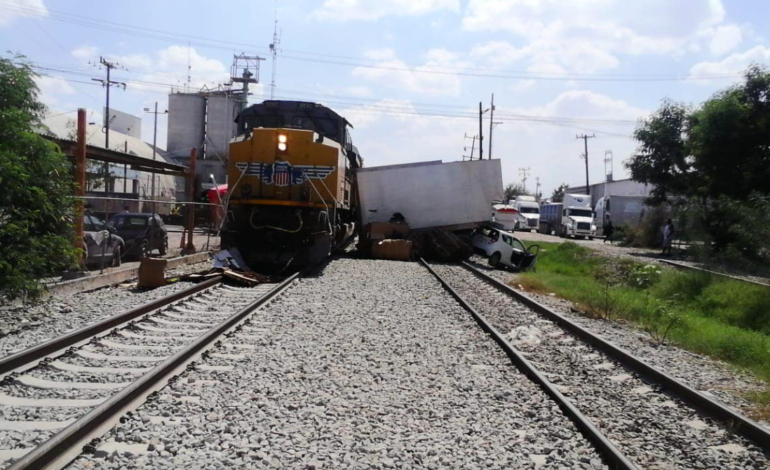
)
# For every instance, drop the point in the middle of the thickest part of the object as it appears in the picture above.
(524, 173)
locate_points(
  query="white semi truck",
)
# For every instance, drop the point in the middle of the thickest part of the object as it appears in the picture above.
(528, 212)
(577, 217)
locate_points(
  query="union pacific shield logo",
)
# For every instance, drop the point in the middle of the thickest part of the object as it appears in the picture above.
(284, 173)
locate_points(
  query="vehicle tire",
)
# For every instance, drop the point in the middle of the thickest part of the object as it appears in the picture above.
(116, 254)
(562, 233)
(494, 260)
(590, 239)
(143, 250)
(164, 247)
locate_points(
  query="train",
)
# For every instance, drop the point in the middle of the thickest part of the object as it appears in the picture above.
(293, 195)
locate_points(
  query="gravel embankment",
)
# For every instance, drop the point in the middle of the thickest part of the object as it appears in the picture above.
(715, 378)
(27, 325)
(368, 365)
(647, 426)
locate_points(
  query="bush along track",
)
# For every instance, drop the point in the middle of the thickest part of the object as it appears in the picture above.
(711, 315)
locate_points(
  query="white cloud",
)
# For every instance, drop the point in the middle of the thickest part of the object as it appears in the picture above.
(725, 39)
(392, 72)
(732, 64)
(53, 90)
(15, 9)
(85, 53)
(346, 10)
(517, 143)
(589, 36)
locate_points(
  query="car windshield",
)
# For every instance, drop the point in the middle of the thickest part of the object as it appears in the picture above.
(580, 212)
(529, 210)
(130, 222)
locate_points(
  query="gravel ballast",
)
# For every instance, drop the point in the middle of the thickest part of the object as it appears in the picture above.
(647, 426)
(715, 378)
(370, 364)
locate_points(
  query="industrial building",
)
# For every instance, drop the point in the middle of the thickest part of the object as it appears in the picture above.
(123, 182)
(626, 187)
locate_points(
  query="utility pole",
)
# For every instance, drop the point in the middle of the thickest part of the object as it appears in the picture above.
(537, 189)
(481, 135)
(585, 138)
(154, 146)
(524, 172)
(491, 124)
(481, 132)
(473, 146)
(107, 84)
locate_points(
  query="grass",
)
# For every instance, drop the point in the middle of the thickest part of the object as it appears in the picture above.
(711, 315)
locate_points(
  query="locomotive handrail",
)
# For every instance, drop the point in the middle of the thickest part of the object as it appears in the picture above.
(331, 228)
(334, 215)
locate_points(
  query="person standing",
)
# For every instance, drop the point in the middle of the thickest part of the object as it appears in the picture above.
(668, 237)
(609, 229)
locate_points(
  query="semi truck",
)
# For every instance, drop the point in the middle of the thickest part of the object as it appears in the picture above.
(621, 210)
(571, 218)
(528, 212)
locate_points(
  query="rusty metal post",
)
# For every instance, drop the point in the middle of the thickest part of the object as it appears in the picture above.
(190, 248)
(80, 184)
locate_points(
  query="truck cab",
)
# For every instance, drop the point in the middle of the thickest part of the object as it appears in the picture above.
(528, 213)
(577, 217)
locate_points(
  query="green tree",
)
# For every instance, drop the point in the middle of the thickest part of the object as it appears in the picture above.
(36, 181)
(558, 193)
(512, 190)
(714, 161)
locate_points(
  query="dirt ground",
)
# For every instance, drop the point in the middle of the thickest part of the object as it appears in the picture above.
(603, 247)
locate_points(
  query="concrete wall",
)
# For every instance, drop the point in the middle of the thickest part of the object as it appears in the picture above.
(431, 194)
(186, 123)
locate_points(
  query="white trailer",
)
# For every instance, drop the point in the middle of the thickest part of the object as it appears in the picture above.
(621, 210)
(455, 195)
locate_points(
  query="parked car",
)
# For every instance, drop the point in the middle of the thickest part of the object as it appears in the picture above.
(101, 243)
(502, 248)
(140, 230)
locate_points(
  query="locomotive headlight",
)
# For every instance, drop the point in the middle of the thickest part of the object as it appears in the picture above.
(281, 146)
(282, 138)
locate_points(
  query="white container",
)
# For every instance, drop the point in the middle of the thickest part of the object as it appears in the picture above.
(454, 195)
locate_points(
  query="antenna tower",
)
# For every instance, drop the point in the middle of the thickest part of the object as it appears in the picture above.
(608, 162)
(274, 47)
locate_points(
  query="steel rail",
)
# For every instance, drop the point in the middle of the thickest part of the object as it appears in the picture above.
(736, 422)
(27, 357)
(64, 446)
(709, 272)
(613, 457)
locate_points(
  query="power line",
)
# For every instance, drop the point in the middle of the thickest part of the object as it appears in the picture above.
(183, 39)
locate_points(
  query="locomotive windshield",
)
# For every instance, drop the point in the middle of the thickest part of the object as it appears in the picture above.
(296, 115)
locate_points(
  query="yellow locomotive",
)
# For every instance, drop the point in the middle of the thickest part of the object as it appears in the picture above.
(293, 194)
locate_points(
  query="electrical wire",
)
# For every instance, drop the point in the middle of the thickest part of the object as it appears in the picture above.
(185, 39)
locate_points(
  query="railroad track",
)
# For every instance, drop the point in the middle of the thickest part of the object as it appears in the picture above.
(58, 396)
(637, 416)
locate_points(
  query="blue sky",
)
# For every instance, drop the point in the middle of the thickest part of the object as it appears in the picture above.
(409, 74)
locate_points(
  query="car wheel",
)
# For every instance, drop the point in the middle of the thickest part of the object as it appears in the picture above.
(494, 260)
(143, 250)
(164, 247)
(116, 254)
